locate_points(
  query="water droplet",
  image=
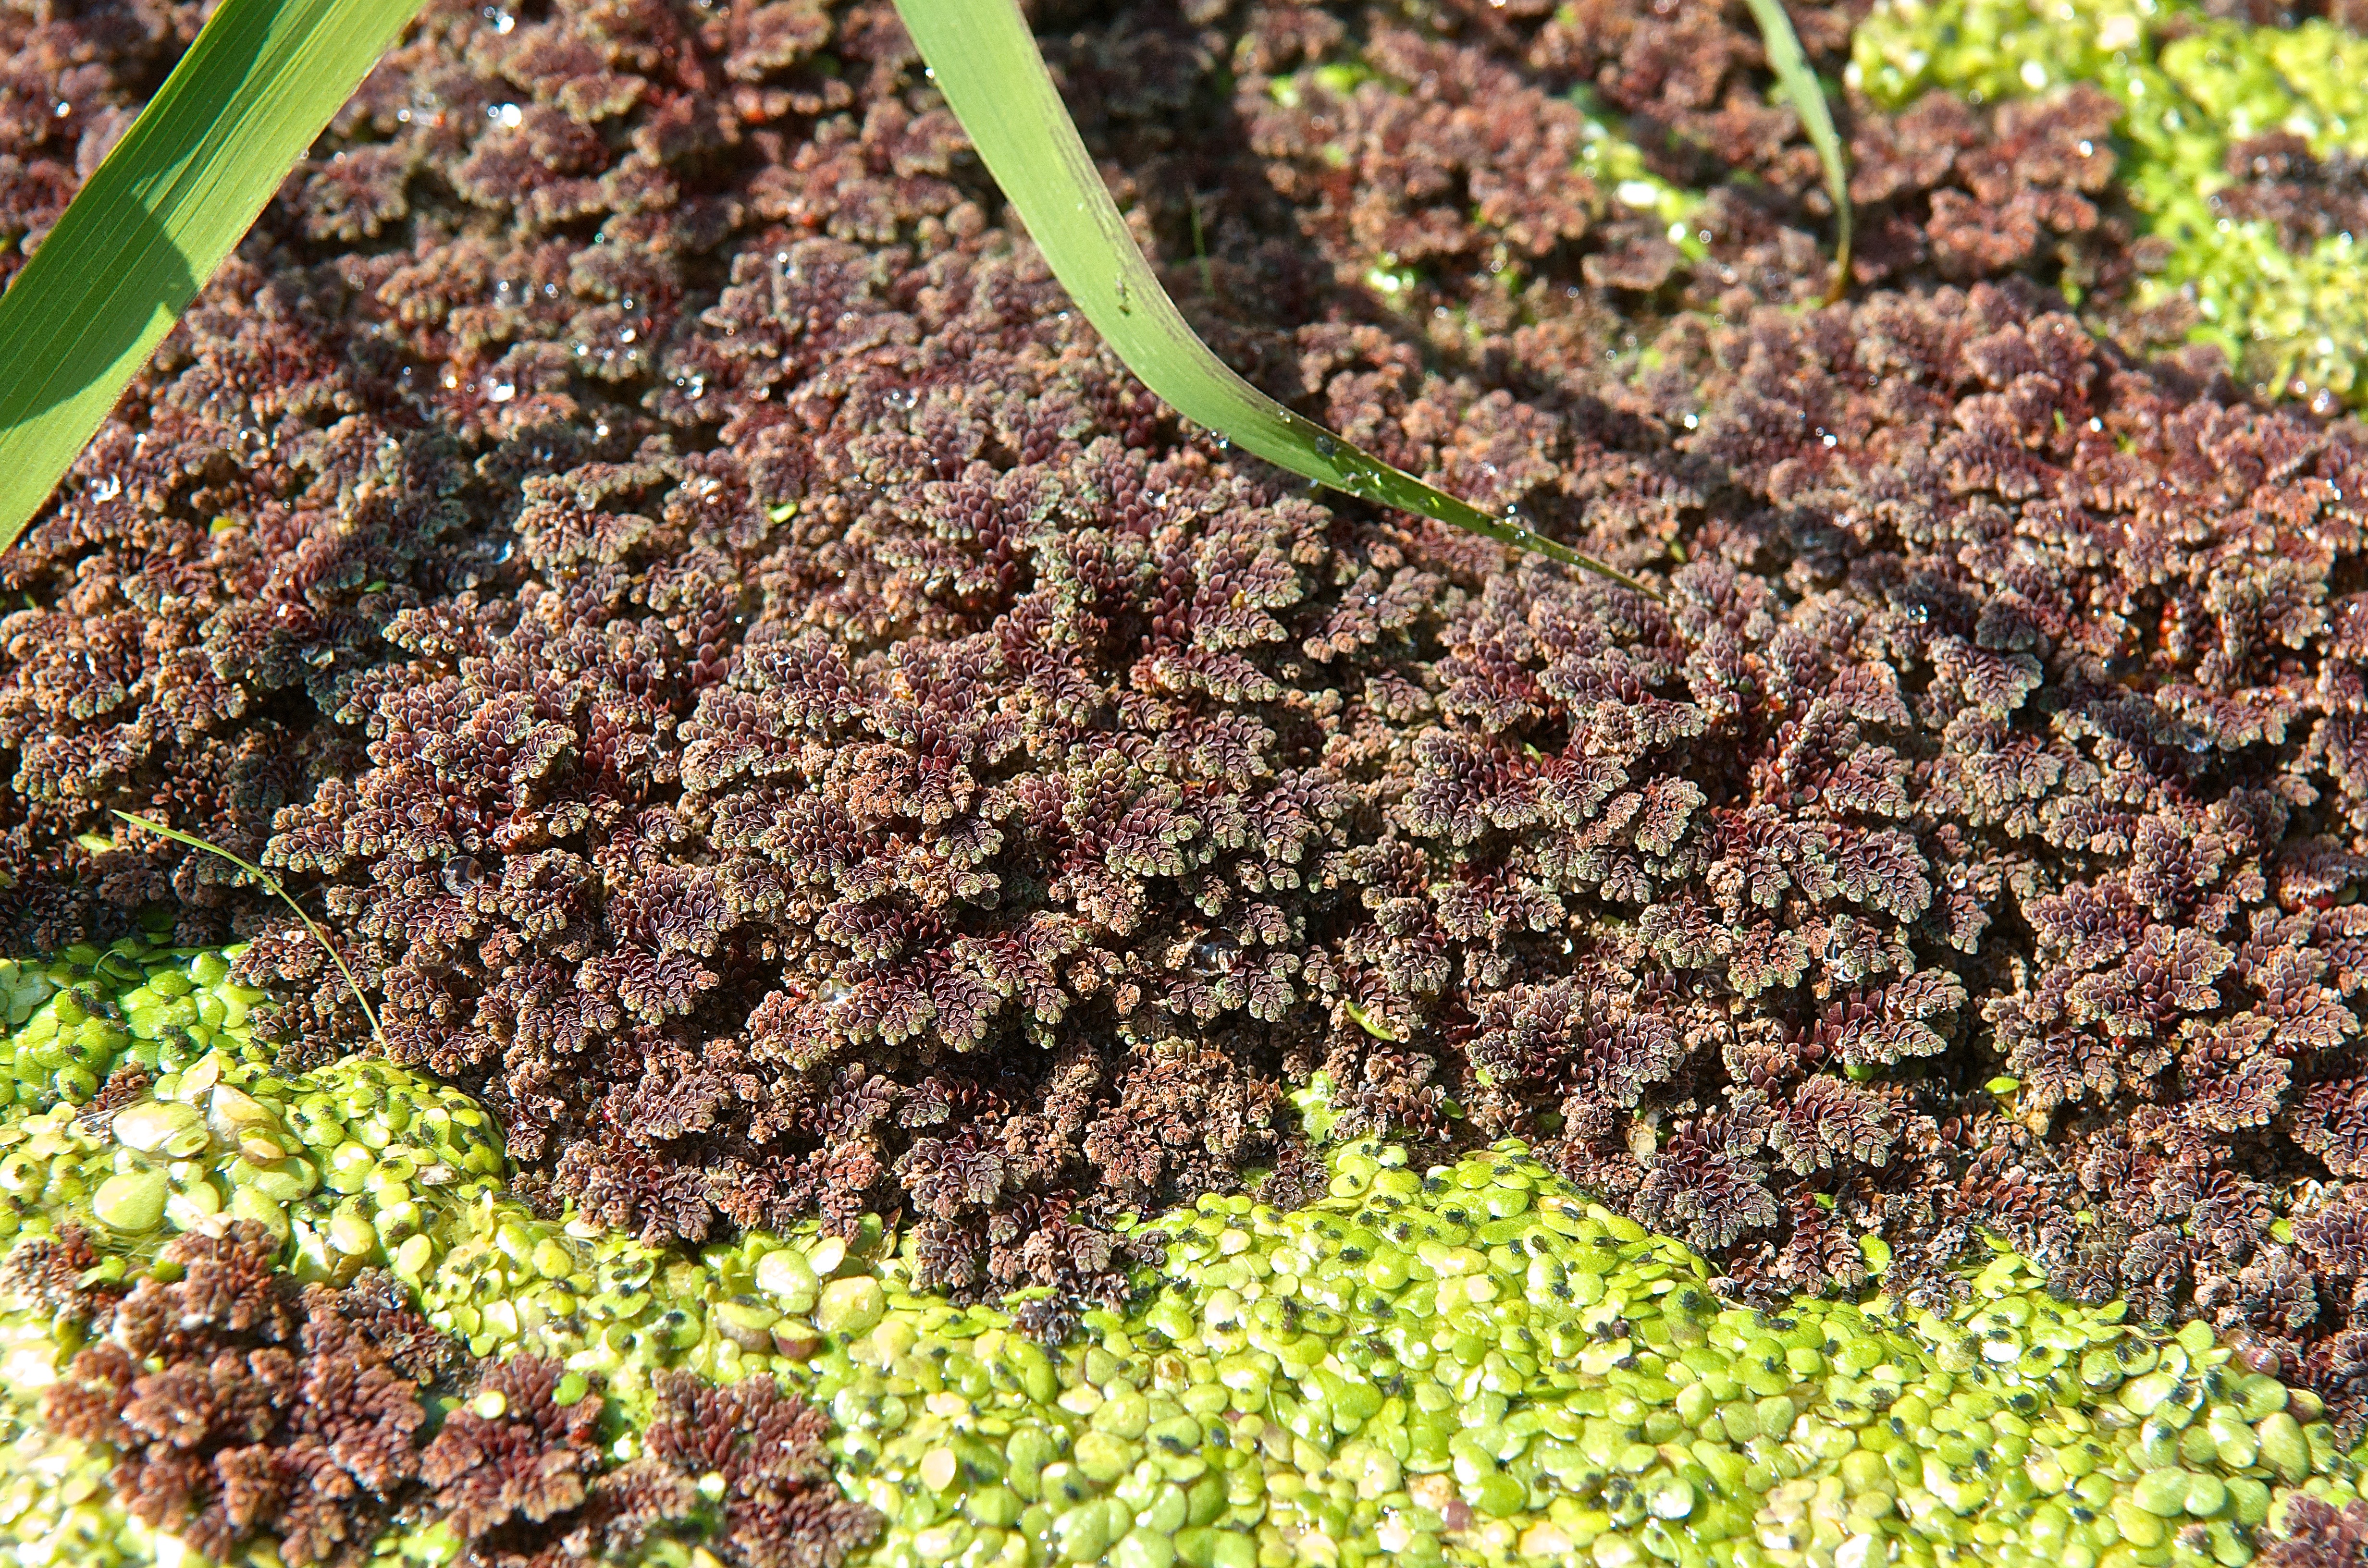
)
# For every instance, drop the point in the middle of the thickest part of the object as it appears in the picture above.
(1327, 447)
(461, 873)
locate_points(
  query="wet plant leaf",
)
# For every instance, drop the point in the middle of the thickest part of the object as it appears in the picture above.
(159, 215)
(986, 61)
(1807, 96)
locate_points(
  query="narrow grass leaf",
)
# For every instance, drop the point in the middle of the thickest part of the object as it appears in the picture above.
(271, 885)
(984, 61)
(158, 216)
(1807, 96)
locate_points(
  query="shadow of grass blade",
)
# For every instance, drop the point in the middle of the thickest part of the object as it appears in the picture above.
(1807, 97)
(271, 885)
(159, 215)
(986, 61)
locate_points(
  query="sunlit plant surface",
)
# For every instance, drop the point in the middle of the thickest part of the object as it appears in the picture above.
(1464, 1361)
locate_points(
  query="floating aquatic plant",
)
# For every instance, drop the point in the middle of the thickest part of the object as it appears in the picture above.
(1467, 1363)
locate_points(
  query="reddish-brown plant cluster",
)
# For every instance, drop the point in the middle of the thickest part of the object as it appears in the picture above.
(245, 1408)
(2318, 1535)
(2279, 181)
(1453, 171)
(771, 704)
(513, 1459)
(242, 1407)
(778, 1506)
(740, 1472)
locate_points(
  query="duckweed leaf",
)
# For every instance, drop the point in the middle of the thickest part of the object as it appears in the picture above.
(1807, 97)
(986, 61)
(159, 215)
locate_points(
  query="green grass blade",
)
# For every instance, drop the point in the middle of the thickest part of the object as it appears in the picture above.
(1807, 97)
(271, 885)
(986, 61)
(159, 215)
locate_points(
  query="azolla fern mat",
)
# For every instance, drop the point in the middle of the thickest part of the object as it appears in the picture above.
(240, 1294)
(900, 956)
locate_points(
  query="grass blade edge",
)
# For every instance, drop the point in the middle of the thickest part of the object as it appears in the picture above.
(271, 884)
(986, 61)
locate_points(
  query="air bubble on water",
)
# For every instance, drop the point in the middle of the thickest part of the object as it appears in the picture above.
(1214, 955)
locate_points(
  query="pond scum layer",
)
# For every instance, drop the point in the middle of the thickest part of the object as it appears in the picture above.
(850, 813)
(1471, 1363)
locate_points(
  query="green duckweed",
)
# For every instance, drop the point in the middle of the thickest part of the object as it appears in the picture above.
(2292, 322)
(1470, 1364)
(1473, 1364)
